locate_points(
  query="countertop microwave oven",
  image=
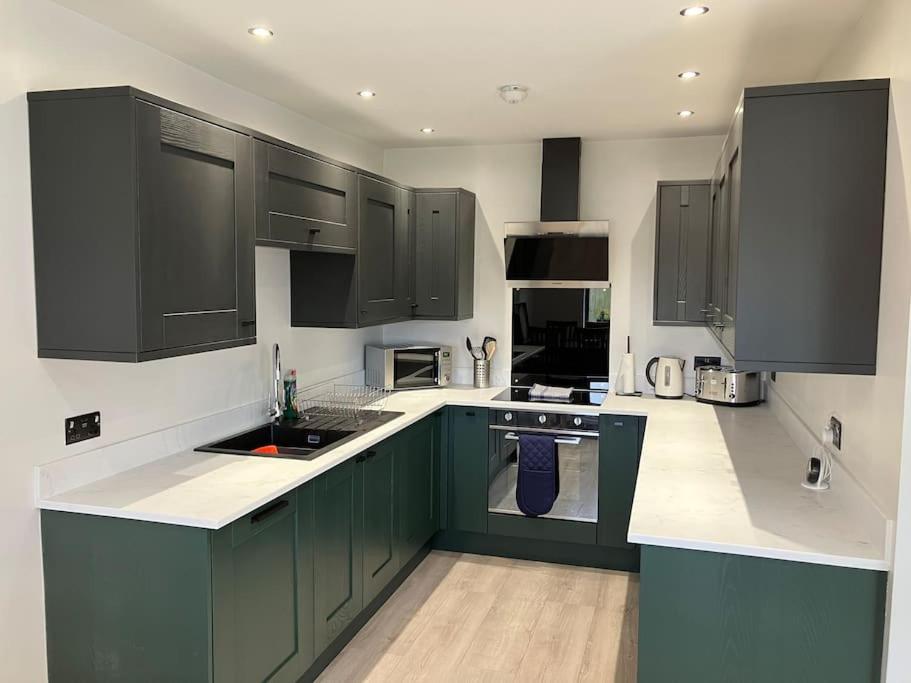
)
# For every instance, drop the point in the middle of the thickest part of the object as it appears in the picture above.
(408, 366)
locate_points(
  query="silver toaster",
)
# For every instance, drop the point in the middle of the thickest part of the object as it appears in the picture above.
(723, 385)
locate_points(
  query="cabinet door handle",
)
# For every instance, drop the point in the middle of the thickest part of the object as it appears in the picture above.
(247, 323)
(360, 457)
(313, 231)
(469, 413)
(370, 454)
(269, 511)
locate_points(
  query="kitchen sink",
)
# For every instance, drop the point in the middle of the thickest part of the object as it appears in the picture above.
(307, 438)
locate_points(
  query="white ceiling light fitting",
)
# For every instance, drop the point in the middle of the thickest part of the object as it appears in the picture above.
(688, 75)
(260, 32)
(366, 94)
(427, 131)
(513, 93)
(686, 113)
(695, 11)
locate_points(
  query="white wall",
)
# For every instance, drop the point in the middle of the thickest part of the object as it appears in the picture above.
(45, 46)
(618, 183)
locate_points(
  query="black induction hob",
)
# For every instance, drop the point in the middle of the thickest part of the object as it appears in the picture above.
(583, 397)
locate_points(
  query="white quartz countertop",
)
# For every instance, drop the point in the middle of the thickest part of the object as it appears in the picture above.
(723, 480)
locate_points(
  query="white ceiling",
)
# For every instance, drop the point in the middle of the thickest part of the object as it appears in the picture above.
(595, 68)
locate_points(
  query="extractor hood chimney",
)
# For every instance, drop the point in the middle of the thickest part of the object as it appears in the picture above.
(548, 252)
(560, 179)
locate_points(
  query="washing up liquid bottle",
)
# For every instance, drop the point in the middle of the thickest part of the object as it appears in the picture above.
(291, 411)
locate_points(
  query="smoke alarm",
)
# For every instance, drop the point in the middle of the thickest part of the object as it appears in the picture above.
(512, 93)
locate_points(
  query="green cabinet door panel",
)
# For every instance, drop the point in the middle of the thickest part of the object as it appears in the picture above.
(339, 578)
(125, 600)
(381, 559)
(417, 484)
(618, 466)
(256, 611)
(714, 618)
(468, 469)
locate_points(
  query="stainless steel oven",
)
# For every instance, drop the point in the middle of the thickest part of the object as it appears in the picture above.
(576, 442)
(411, 366)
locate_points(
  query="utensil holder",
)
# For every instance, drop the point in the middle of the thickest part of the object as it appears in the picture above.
(481, 374)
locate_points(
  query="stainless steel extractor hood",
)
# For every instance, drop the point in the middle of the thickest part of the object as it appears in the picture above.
(559, 250)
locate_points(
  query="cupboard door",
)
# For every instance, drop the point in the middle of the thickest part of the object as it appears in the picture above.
(304, 203)
(697, 224)
(682, 252)
(383, 253)
(667, 252)
(381, 559)
(338, 551)
(468, 462)
(196, 237)
(256, 613)
(618, 467)
(435, 255)
(417, 489)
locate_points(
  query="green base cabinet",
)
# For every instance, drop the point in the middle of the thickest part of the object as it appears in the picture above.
(339, 557)
(468, 469)
(417, 484)
(381, 553)
(618, 466)
(264, 598)
(262, 587)
(139, 601)
(713, 618)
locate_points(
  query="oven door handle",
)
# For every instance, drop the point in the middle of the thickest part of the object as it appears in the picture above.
(559, 433)
(568, 440)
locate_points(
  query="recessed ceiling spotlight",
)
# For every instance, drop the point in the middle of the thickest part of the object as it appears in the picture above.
(688, 75)
(694, 11)
(428, 131)
(513, 93)
(260, 32)
(686, 113)
(366, 94)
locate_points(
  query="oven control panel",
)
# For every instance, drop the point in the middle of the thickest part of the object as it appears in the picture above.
(546, 420)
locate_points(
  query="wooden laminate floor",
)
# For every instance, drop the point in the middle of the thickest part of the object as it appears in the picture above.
(463, 618)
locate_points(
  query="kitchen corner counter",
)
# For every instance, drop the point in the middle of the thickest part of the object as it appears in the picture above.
(727, 480)
(715, 479)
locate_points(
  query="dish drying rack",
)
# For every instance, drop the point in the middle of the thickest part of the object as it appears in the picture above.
(342, 400)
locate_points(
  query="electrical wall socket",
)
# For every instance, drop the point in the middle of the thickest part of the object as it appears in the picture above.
(837, 433)
(82, 427)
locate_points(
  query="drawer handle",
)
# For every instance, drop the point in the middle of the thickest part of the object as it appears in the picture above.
(360, 457)
(370, 454)
(469, 413)
(313, 231)
(269, 511)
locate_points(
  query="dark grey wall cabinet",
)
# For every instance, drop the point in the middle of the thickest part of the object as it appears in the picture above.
(444, 255)
(383, 270)
(681, 252)
(415, 260)
(304, 203)
(797, 200)
(143, 227)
